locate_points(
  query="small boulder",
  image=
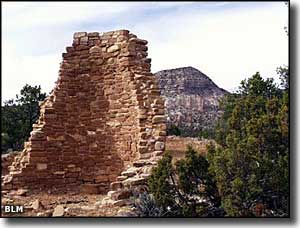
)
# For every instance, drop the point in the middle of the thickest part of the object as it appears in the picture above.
(160, 146)
(36, 204)
(58, 211)
(21, 192)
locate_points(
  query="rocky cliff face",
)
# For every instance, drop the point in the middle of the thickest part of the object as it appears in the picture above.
(192, 99)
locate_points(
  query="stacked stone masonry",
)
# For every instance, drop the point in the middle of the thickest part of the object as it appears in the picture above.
(103, 125)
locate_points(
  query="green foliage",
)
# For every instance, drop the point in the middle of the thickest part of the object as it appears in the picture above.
(256, 86)
(173, 130)
(19, 115)
(283, 73)
(160, 184)
(251, 162)
(208, 133)
(5, 141)
(186, 189)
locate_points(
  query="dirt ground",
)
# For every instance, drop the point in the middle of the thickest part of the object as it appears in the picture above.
(74, 205)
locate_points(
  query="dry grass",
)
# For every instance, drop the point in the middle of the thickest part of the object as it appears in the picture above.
(177, 146)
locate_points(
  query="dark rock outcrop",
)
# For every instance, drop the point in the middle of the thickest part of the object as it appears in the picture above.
(192, 99)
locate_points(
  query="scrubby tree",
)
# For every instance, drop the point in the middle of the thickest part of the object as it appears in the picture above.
(207, 133)
(161, 184)
(173, 130)
(250, 162)
(186, 189)
(18, 116)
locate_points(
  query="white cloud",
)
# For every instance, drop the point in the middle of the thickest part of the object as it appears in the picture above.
(228, 44)
(29, 14)
(55, 13)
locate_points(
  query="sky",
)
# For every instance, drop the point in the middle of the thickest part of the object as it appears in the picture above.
(228, 41)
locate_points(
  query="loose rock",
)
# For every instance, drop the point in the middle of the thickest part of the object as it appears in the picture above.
(58, 211)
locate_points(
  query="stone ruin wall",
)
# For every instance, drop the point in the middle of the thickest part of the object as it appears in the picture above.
(6, 160)
(103, 125)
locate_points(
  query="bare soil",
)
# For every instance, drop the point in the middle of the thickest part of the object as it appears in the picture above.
(78, 204)
(75, 205)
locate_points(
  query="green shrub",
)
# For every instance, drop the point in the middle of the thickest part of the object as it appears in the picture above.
(186, 189)
(174, 130)
(250, 164)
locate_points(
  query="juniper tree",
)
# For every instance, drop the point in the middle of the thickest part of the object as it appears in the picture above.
(18, 116)
(251, 162)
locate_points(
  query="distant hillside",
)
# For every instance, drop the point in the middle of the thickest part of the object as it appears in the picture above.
(192, 99)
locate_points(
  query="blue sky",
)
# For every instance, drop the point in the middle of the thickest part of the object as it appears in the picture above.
(228, 41)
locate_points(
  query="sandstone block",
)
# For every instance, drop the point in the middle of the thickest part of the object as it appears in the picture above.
(145, 156)
(121, 194)
(101, 178)
(95, 49)
(142, 117)
(146, 60)
(70, 49)
(37, 134)
(59, 172)
(145, 175)
(41, 166)
(113, 48)
(140, 163)
(158, 119)
(116, 185)
(128, 173)
(110, 193)
(93, 34)
(133, 181)
(143, 149)
(139, 41)
(79, 35)
(121, 178)
(162, 133)
(90, 188)
(122, 32)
